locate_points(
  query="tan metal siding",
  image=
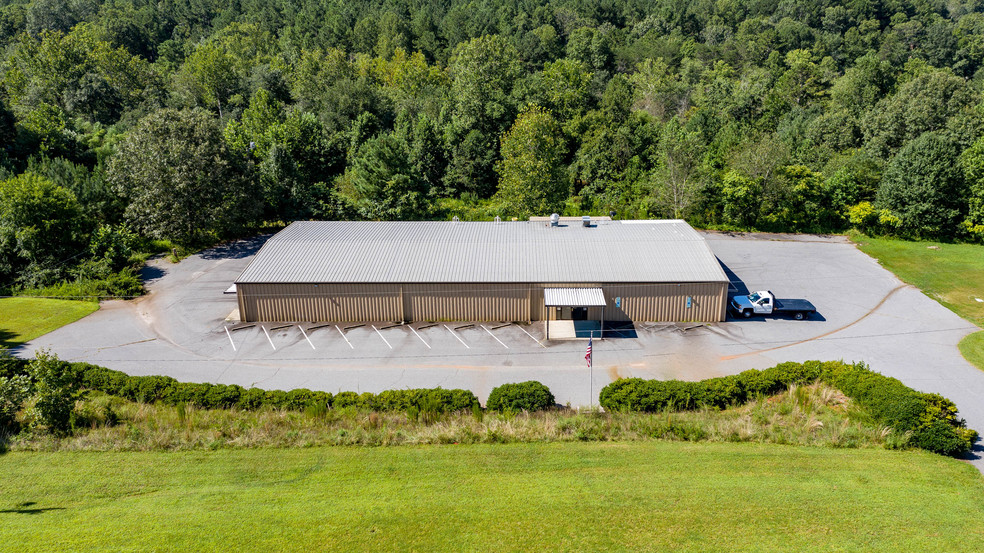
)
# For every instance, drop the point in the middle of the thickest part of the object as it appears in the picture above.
(650, 302)
(319, 302)
(467, 302)
(472, 302)
(666, 302)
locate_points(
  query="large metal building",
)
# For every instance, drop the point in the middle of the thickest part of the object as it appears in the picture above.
(534, 270)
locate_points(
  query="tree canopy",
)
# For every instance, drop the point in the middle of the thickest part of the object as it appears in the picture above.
(197, 120)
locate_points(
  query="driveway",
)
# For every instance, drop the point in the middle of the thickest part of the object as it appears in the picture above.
(865, 314)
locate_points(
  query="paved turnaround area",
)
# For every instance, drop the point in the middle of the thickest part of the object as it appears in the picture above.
(865, 314)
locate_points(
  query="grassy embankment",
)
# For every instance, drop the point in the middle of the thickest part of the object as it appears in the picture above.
(635, 496)
(23, 319)
(952, 274)
(814, 415)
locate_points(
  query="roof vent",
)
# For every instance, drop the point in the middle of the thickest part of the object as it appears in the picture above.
(498, 219)
(554, 219)
(586, 220)
(612, 214)
(455, 219)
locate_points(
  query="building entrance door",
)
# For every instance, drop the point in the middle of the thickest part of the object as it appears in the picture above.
(579, 313)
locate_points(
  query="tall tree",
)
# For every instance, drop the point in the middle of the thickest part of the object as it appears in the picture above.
(180, 179)
(42, 230)
(532, 176)
(925, 187)
(381, 182)
(972, 163)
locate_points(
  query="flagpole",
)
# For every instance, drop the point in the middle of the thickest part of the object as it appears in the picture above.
(591, 373)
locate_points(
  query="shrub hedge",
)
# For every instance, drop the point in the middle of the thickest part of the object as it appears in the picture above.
(164, 389)
(930, 419)
(522, 396)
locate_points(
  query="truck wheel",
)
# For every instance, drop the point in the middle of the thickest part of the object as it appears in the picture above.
(747, 313)
(799, 316)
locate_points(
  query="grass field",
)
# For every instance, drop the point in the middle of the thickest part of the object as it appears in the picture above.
(972, 348)
(24, 319)
(952, 274)
(655, 496)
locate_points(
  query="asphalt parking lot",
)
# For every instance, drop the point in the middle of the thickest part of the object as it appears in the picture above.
(865, 314)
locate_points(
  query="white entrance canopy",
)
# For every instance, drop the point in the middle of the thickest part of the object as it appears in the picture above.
(573, 297)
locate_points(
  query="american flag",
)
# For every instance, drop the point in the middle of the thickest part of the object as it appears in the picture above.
(587, 356)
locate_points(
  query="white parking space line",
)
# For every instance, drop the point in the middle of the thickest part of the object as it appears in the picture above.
(381, 336)
(306, 337)
(268, 338)
(229, 334)
(494, 336)
(344, 337)
(531, 336)
(458, 337)
(421, 338)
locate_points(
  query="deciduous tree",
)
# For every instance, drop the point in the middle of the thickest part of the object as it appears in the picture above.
(180, 180)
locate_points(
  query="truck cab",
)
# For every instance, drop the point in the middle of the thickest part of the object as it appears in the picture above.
(756, 303)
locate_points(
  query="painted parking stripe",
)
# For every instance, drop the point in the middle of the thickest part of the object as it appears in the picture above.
(421, 338)
(493, 335)
(306, 337)
(268, 338)
(344, 337)
(458, 337)
(531, 336)
(230, 339)
(381, 336)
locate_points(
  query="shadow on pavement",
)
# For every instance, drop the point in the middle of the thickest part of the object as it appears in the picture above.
(737, 287)
(236, 250)
(151, 273)
(620, 330)
(976, 453)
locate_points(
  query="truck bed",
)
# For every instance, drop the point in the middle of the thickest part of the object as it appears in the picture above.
(793, 306)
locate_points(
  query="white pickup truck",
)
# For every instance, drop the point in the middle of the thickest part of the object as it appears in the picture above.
(765, 303)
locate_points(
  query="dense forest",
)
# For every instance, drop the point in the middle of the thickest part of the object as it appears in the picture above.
(125, 123)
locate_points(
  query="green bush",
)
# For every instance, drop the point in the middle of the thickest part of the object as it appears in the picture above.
(930, 420)
(164, 389)
(53, 394)
(524, 396)
(941, 437)
(13, 391)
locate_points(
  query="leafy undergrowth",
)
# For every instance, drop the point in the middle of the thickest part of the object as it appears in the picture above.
(815, 415)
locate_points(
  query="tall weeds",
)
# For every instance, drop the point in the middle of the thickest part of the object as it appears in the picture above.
(809, 415)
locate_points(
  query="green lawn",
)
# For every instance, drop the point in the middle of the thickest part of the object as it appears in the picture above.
(972, 348)
(952, 274)
(24, 319)
(651, 496)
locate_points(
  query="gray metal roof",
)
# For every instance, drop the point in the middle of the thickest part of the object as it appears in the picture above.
(573, 297)
(446, 251)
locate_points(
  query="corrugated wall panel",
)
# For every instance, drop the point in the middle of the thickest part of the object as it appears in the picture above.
(471, 302)
(650, 302)
(319, 302)
(666, 302)
(467, 302)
